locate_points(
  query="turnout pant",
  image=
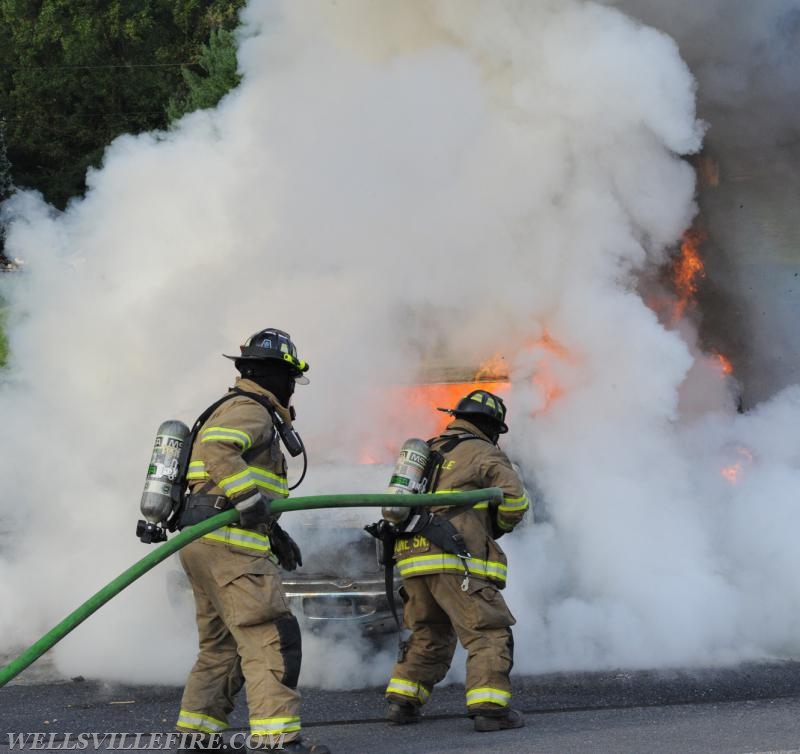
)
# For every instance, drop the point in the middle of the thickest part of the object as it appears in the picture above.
(437, 611)
(248, 636)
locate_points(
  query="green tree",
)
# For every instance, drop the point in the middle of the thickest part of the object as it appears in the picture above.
(6, 184)
(217, 62)
(6, 187)
(74, 74)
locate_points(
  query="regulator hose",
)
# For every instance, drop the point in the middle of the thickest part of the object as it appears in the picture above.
(189, 534)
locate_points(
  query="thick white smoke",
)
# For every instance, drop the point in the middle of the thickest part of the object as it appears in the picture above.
(396, 185)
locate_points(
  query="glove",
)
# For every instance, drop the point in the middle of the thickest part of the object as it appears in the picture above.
(254, 510)
(285, 548)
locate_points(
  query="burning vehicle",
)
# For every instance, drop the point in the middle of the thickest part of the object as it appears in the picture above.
(340, 590)
(341, 587)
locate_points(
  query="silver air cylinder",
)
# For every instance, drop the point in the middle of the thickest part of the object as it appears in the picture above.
(407, 477)
(157, 498)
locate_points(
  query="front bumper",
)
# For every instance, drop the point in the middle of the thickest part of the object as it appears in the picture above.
(343, 605)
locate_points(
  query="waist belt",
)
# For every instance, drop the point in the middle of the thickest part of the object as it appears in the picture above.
(438, 530)
(200, 507)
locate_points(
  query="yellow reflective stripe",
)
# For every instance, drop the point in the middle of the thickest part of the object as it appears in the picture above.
(274, 725)
(510, 504)
(253, 476)
(199, 722)
(227, 434)
(477, 506)
(197, 470)
(269, 480)
(490, 695)
(421, 564)
(232, 535)
(282, 491)
(503, 525)
(237, 482)
(411, 689)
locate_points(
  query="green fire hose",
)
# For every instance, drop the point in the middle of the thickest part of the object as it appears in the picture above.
(162, 552)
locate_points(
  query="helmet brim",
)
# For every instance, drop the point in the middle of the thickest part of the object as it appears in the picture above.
(502, 429)
(300, 379)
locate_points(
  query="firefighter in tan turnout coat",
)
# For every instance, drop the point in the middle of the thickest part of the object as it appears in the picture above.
(247, 633)
(445, 600)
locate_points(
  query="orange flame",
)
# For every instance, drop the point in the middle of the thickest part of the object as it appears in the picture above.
(724, 364)
(688, 270)
(494, 368)
(733, 473)
(412, 403)
(447, 395)
(544, 376)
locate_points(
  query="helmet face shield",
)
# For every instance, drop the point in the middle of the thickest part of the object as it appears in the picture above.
(276, 345)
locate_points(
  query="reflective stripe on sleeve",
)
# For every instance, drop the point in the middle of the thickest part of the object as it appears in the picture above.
(487, 695)
(252, 476)
(197, 470)
(237, 482)
(271, 481)
(503, 525)
(227, 434)
(249, 540)
(513, 504)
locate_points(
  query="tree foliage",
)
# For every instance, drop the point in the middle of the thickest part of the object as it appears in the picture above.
(218, 63)
(74, 74)
(6, 187)
(6, 182)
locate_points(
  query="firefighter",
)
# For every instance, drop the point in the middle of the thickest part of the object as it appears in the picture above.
(449, 596)
(247, 633)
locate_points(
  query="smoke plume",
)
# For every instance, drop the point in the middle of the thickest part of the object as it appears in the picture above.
(749, 85)
(400, 185)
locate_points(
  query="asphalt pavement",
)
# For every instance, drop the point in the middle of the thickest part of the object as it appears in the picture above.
(749, 708)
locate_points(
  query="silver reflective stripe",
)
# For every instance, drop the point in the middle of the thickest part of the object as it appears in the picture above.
(510, 504)
(488, 695)
(249, 540)
(227, 434)
(199, 722)
(422, 564)
(411, 689)
(237, 482)
(274, 725)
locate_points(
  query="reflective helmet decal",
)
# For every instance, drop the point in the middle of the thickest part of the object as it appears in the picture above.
(272, 343)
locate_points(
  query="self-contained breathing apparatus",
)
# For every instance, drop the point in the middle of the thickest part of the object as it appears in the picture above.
(417, 471)
(165, 497)
(162, 486)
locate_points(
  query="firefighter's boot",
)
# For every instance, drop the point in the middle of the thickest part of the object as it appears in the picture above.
(487, 723)
(402, 714)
